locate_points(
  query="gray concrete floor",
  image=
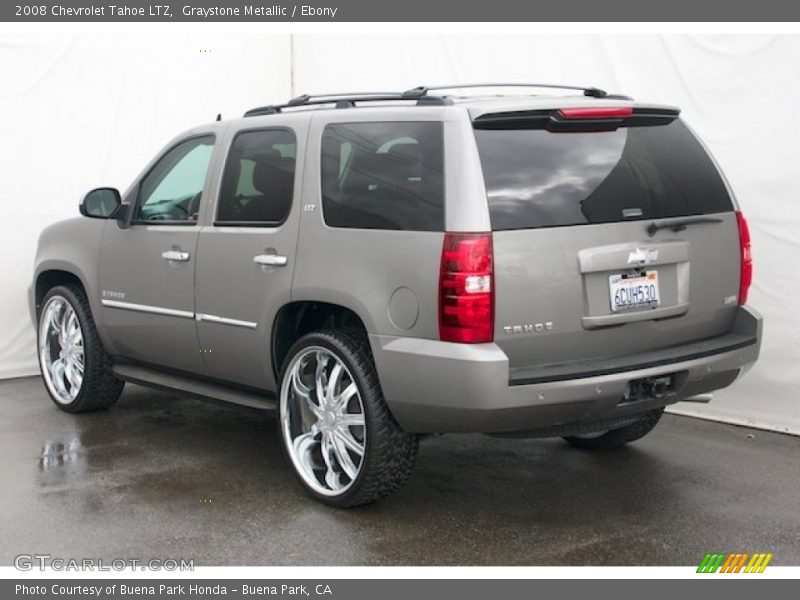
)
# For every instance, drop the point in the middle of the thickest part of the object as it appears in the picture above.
(165, 476)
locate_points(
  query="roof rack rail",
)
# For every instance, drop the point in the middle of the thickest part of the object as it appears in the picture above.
(345, 100)
(419, 94)
(262, 110)
(422, 91)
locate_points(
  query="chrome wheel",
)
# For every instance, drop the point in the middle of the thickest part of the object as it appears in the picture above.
(61, 351)
(323, 421)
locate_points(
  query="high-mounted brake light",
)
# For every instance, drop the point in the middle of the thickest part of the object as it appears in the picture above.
(746, 274)
(466, 288)
(596, 112)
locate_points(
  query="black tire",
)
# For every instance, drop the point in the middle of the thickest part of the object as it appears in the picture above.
(99, 388)
(618, 437)
(389, 452)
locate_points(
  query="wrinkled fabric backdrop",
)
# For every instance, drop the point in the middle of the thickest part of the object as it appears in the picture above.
(82, 110)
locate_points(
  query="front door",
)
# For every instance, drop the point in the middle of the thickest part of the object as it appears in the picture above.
(245, 255)
(147, 269)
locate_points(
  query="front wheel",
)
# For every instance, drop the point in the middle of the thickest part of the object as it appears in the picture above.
(75, 367)
(343, 442)
(617, 437)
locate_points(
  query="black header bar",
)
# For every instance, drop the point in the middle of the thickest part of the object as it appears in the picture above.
(401, 11)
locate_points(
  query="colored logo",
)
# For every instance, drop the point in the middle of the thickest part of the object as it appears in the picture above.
(735, 562)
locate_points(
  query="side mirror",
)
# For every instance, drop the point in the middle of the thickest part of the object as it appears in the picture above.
(101, 203)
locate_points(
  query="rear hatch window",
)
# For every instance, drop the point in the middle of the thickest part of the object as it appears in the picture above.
(538, 178)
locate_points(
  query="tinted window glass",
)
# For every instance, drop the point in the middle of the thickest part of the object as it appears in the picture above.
(383, 176)
(535, 178)
(258, 182)
(172, 189)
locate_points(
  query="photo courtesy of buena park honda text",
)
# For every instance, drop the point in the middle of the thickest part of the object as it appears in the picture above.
(346, 299)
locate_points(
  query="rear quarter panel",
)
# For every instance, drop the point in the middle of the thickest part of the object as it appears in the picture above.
(388, 278)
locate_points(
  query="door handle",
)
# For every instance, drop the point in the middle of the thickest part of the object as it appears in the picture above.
(179, 255)
(272, 260)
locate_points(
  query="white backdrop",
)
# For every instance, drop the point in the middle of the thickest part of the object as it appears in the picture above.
(80, 111)
(87, 110)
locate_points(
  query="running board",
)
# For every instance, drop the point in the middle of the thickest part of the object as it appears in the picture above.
(203, 389)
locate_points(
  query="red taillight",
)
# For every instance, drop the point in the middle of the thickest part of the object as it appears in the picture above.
(746, 275)
(596, 112)
(466, 288)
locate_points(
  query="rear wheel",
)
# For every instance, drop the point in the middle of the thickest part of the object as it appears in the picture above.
(75, 367)
(343, 442)
(617, 437)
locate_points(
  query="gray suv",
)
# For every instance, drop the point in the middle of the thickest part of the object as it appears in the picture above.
(386, 265)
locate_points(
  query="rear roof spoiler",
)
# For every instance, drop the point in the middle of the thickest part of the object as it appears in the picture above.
(582, 119)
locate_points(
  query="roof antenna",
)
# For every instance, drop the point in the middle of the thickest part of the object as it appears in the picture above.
(219, 116)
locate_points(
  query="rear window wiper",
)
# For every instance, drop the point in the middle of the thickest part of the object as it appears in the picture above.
(679, 224)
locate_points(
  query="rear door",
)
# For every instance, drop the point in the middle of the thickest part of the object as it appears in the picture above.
(246, 253)
(610, 238)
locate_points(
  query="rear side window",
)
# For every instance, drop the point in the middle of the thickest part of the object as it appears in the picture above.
(536, 178)
(258, 182)
(383, 176)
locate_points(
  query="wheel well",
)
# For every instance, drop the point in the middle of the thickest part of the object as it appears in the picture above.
(299, 318)
(49, 279)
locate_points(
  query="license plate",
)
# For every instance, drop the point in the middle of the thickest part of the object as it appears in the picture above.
(631, 292)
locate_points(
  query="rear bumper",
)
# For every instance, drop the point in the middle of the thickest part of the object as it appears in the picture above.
(441, 387)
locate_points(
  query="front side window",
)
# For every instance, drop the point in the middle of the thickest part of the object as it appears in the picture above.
(171, 191)
(258, 182)
(383, 175)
